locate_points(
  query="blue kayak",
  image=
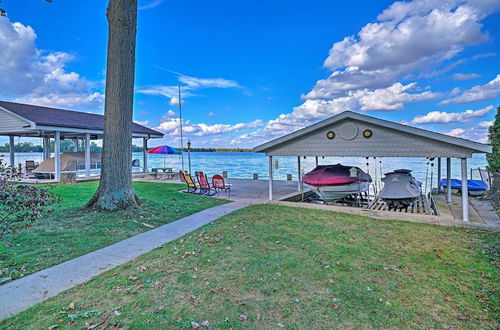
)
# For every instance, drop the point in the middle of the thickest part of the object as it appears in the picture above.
(473, 185)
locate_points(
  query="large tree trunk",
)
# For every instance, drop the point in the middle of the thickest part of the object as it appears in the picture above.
(115, 188)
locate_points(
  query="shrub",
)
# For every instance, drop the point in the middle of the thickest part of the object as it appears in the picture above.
(21, 204)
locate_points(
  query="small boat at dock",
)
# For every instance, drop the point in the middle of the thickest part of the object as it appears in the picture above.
(335, 182)
(400, 188)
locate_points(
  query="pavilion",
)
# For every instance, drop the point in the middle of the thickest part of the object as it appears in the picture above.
(351, 134)
(25, 120)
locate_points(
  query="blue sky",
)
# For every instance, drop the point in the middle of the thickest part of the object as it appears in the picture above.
(252, 71)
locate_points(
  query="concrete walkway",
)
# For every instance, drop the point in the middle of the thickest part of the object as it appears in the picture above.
(32, 289)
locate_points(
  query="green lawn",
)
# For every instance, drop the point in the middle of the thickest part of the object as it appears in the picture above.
(267, 265)
(70, 231)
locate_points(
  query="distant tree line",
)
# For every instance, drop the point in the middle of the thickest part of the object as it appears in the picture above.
(66, 146)
(217, 149)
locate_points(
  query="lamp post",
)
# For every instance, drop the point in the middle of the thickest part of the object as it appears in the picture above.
(189, 156)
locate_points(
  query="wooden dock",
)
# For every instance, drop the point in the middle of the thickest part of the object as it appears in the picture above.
(420, 205)
(480, 210)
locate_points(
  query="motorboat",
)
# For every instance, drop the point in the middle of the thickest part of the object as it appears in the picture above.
(400, 188)
(74, 162)
(70, 162)
(335, 182)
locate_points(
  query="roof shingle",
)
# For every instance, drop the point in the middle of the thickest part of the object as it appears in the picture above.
(66, 118)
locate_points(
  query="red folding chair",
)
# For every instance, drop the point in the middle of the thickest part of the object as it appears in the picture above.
(205, 188)
(218, 184)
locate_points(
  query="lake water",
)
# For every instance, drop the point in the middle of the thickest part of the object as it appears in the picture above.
(244, 164)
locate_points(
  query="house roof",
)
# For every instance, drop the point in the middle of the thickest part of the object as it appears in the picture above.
(53, 117)
(439, 138)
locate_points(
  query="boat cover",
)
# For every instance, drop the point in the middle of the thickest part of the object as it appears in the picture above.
(473, 185)
(69, 160)
(400, 184)
(332, 175)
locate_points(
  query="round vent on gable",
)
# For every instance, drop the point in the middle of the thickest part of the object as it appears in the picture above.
(348, 131)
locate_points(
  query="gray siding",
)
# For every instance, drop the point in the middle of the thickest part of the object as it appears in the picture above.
(10, 123)
(385, 142)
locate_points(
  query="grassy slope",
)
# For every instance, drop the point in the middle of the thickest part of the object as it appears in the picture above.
(302, 268)
(71, 231)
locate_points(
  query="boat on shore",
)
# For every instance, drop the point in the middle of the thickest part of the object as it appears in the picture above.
(400, 188)
(70, 162)
(475, 187)
(334, 182)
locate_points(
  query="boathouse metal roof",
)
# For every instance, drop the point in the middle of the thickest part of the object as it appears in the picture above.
(31, 120)
(351, 134)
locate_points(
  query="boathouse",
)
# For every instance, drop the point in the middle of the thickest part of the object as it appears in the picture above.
(25, 120)
(351, 134)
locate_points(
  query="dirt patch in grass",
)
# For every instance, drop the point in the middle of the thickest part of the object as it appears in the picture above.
(267, 265)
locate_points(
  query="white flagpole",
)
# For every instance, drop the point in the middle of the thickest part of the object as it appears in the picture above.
(180, 120)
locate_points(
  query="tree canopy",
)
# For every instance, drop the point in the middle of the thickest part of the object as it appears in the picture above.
(494, 138)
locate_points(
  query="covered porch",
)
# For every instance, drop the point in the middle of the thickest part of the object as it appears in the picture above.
(53, 125)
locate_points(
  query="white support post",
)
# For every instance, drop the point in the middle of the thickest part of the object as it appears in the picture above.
(448, 180)
(75, 145)
(57, 152)
(270, 178)
(465, 191)
(11, 151)
(46, 148)
(439, 175)
(145, 162)
(299, 177)
(87, 155)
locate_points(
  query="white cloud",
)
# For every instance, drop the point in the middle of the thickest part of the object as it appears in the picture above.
(477, 93)
(167, 91)
(170, 125)
(391, 98)
(465, 76)
(170, 113)
(439, 117)
(197, 83)
(485, 124)
(408, 39)
(142, 122)
(174, 100)
(152, 4)
(190, 84)
(31, 75)
(456, 132)
(478, 133)
(77, 101)
(454, 91)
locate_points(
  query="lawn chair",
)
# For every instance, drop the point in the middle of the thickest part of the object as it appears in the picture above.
(30, 166)
(218, 184)
(181, 175)
(205, 185)
(192, 188)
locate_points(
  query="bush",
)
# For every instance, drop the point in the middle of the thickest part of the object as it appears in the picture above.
(21, 204)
